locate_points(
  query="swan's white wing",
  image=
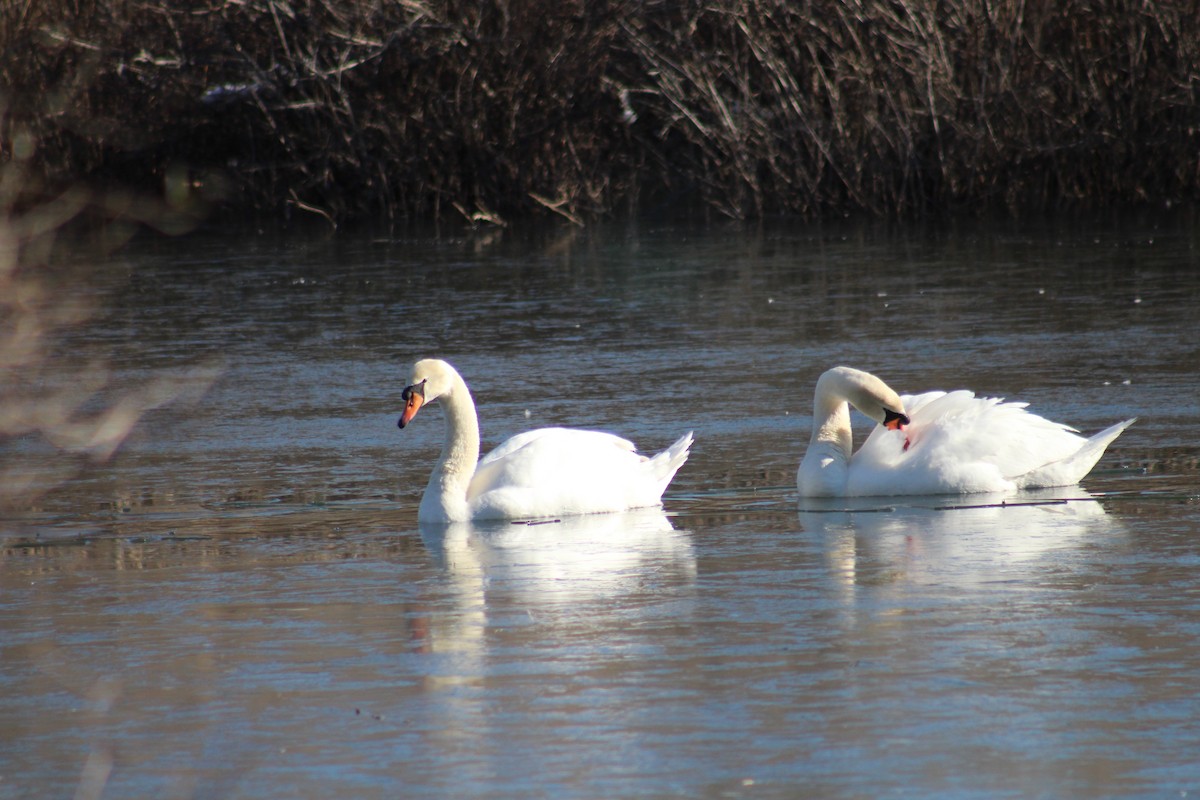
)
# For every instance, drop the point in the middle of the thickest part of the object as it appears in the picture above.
(554, 471)
(557, 437)
(1073, 468)
(959, 443)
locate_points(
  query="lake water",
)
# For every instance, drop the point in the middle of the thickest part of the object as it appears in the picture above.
(240, 602)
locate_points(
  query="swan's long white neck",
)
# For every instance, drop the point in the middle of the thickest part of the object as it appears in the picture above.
(445, 498)
(826, 463)
(831, 426)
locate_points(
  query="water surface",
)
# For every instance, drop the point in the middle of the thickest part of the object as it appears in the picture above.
(240, 602)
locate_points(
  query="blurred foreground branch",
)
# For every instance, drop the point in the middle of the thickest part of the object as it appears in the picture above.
(44, 392)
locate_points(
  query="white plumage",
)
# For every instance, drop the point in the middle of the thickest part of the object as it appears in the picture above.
(541, 473)
(948, 443)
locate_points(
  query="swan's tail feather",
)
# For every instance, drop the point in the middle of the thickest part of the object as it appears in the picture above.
(668, 462)
(1071, 470)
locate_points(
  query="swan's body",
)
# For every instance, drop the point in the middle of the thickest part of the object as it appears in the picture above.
(937, 443)
(541, 473)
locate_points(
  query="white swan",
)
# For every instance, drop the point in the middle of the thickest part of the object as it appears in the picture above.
(937, 443)
(541, 473)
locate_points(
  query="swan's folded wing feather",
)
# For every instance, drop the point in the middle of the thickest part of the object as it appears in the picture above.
(563, 436)
(959, 443)
(1073, 468)
(552, 460)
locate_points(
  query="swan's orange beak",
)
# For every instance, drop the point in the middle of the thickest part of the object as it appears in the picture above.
(410, 409)
(893, 421)
(414, 398)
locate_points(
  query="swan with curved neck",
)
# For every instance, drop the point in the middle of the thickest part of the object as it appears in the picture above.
(541, 473)
(936, 443)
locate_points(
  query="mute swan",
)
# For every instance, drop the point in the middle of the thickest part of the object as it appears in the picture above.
(541, 473)
(937, 443)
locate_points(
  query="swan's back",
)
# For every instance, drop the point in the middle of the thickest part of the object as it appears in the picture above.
(562, 471)
(958, 443)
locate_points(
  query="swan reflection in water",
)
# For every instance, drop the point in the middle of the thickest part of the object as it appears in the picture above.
(605, 569)
(521, 614)
(958, 540)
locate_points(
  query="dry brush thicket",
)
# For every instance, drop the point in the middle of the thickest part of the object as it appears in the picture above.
(370, 108)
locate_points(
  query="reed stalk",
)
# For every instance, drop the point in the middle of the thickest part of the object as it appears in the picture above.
(346, 109)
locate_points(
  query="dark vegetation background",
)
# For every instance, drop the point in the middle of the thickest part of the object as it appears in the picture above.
(492, 109)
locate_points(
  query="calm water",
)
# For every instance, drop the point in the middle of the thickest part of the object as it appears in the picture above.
(240, 602)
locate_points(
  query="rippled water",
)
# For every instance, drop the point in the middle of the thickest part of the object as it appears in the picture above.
(240, 602)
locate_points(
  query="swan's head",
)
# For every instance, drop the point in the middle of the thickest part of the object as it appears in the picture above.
(431, 378)
(865, 392)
